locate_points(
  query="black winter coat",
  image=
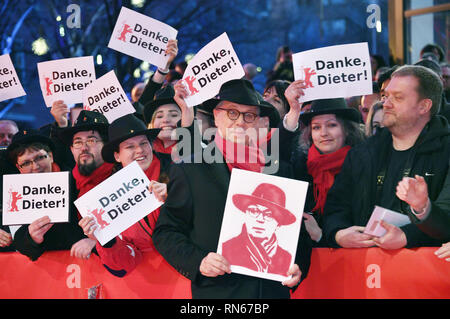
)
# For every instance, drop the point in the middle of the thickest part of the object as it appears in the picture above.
(189, 225)
(352, 197)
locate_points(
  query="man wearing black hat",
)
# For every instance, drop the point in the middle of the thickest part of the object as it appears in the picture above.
(188, 228)
(85, 139)
(414, 144)
(32, 152)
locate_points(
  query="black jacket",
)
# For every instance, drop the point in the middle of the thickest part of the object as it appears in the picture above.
(352, 197)
(189, 225)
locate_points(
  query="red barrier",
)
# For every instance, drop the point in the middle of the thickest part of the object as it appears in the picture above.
(334, 273)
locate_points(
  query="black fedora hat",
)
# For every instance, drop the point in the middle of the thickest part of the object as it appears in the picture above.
(163, 96)
(241, 91)
(270, 196)
(336, 106)
(122, 129)
(27, 137)
(86, 121)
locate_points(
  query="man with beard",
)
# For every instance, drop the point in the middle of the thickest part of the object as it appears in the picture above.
(414, 144)
(85, 139)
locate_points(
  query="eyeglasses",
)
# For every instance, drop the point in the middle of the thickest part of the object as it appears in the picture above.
(89, 142)
(29, 164)
(233, 115)
(255, 212)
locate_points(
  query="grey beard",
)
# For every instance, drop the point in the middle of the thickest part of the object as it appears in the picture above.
(87, 169)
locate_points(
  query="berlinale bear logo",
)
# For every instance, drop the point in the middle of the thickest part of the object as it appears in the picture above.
(126, 29)
(15, 196)
(97, 213)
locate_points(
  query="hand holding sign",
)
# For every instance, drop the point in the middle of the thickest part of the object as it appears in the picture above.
(39, 228)
(59, 111)
(88, 225)
(117, 203)
(294, 92)
(5, 238)
(106, 95)
(171, 51)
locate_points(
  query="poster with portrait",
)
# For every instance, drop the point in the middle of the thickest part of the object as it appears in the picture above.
(261, 224)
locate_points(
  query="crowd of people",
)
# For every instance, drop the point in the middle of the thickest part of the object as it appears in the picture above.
(390, 148)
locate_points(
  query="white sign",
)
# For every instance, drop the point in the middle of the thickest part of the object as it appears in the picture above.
(261, 224)
(65, 79)
(213, 65)
(374, 228)
(118, 202)
(27, 197)
(10, 86)
(141, 37)
(334, 72)
(106, 95)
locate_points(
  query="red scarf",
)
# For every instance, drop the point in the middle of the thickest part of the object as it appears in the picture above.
(158, 146)
(55, 167)
(323, 168)
(86, 183)
(153, 172)
(240, 156)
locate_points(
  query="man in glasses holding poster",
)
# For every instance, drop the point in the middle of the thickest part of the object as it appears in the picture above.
(188, 228)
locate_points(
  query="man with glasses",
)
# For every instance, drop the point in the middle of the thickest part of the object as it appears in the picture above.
(86, 139)
(32, 153)
(188, 228)
(412, 150)
(256, 247)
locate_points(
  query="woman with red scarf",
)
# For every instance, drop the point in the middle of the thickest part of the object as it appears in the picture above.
(331, 129)
(130, 141)
(164, 113)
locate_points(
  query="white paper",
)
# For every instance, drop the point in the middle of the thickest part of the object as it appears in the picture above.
(374, 228)
(244, 182)
(118, 202)
(65, 79)
(27, 197)
(106, 95)
(10, 86)
(215, 64)
(334, 72)
(142, 37)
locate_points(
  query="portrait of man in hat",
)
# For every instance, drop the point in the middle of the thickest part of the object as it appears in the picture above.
(256, 247)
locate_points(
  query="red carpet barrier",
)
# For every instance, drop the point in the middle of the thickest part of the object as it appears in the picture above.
(334, 273)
